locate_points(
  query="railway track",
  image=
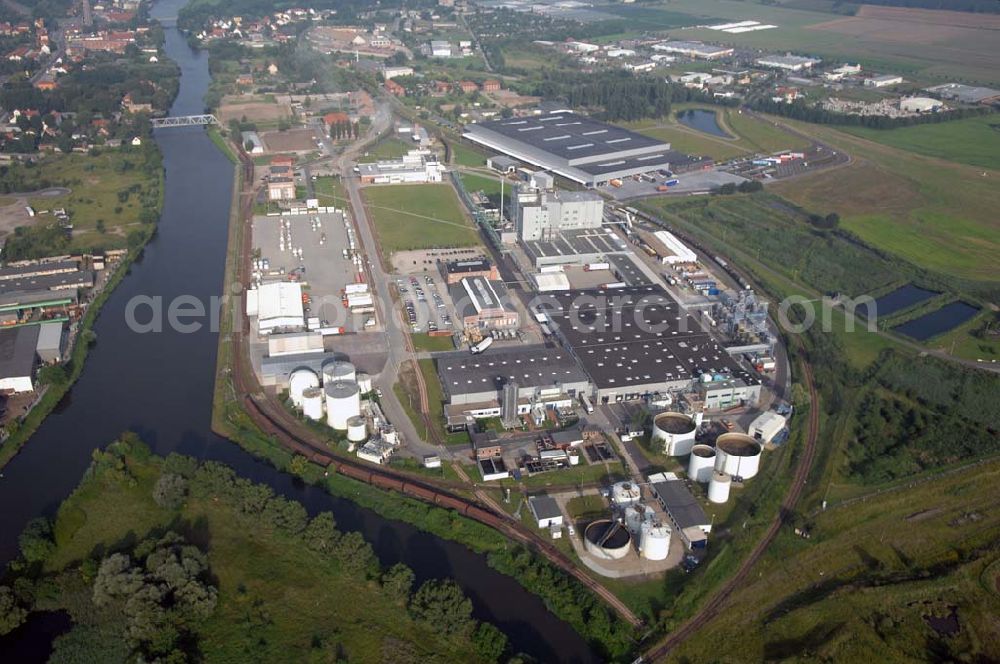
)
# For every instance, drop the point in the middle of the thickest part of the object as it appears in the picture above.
(276, 421)
(714, 605)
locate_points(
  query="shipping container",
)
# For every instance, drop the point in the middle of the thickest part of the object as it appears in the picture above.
(593, 267)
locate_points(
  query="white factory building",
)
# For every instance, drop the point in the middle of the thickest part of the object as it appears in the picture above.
(883, 81)
(276, 306)
(416, 167)
(540, 211)
(692, 49)
(787, 62)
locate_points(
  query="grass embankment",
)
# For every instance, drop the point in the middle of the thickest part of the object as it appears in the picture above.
(933, 213)
(267, 575)
(418, 216)
(224, 145)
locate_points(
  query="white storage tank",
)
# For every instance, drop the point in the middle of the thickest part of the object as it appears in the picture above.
(654, 542)
(625, 493)
(635, 516)
(338, 370)
(357, 431)
(299, 381)
(702, 463)
(718, 487)
(343, 401)
(738, 455)
(312, 403)
(364, 382)
(676, 431)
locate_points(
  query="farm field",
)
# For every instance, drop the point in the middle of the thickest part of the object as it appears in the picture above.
(899, 39)
(936, 214)
(871, 577)
(972, 141)
(418, 216)
(262, 109)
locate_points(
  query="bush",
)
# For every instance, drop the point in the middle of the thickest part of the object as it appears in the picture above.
(170, 491)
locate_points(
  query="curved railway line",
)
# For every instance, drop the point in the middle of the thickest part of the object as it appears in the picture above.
(711, 608)
(276, 421)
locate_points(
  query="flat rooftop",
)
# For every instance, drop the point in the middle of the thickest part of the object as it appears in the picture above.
(38, 268)
(530, 366)
(17, 350)
(681, 504)
(48, 282)
(574, 243)
(574, 146)
(635, 336)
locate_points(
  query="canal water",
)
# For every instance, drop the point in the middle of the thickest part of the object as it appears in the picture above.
(702, 120)
(160, 386)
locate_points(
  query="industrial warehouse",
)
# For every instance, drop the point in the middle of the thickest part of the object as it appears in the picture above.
(634, 341)
(576, 147)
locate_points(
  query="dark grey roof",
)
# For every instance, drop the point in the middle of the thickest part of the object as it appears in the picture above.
(283, 365)
(58, 281)
(682, 506)
(530, 366)
(468, 265)
(634, 336)
(627, 271)
(38, 268)
(17, 350)
(26, 299)
(490, 295)
(571, 136)
(544, 507)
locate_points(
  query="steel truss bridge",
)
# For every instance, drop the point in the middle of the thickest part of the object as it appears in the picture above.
(184, 121)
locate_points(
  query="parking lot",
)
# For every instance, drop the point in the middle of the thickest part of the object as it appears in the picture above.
(425, 302)
(314, 249)
(687, 183)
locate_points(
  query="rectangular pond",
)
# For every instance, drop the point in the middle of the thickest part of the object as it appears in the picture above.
(938, 322)
(903, 297)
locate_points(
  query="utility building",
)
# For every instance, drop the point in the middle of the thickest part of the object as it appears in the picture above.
(540, 214)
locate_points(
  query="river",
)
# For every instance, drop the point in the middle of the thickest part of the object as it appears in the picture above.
(160, 386)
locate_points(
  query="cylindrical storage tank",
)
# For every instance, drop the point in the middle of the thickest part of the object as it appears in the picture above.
(654, 542)
(677, 432)
(607, 540)
(338, 370)
(634, 517)
(718, 487)
(312, 403)
(343, 401)
(357, 431)
(702, 463)
(364, 382)
(298, 382)
(738, 455)
(625, 493)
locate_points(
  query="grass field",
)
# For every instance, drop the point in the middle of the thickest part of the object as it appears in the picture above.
(389, 147)
(936, 214)
(107, 195)
(267, 579)
(431, 344)
(464, 155)
(973, 141)
(418, 216)
(330, 191)
(752, 135)
(865, 583)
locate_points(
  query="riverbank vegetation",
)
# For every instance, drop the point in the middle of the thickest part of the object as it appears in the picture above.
(176, 560)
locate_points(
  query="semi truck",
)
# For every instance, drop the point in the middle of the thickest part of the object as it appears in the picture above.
(482, 345)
